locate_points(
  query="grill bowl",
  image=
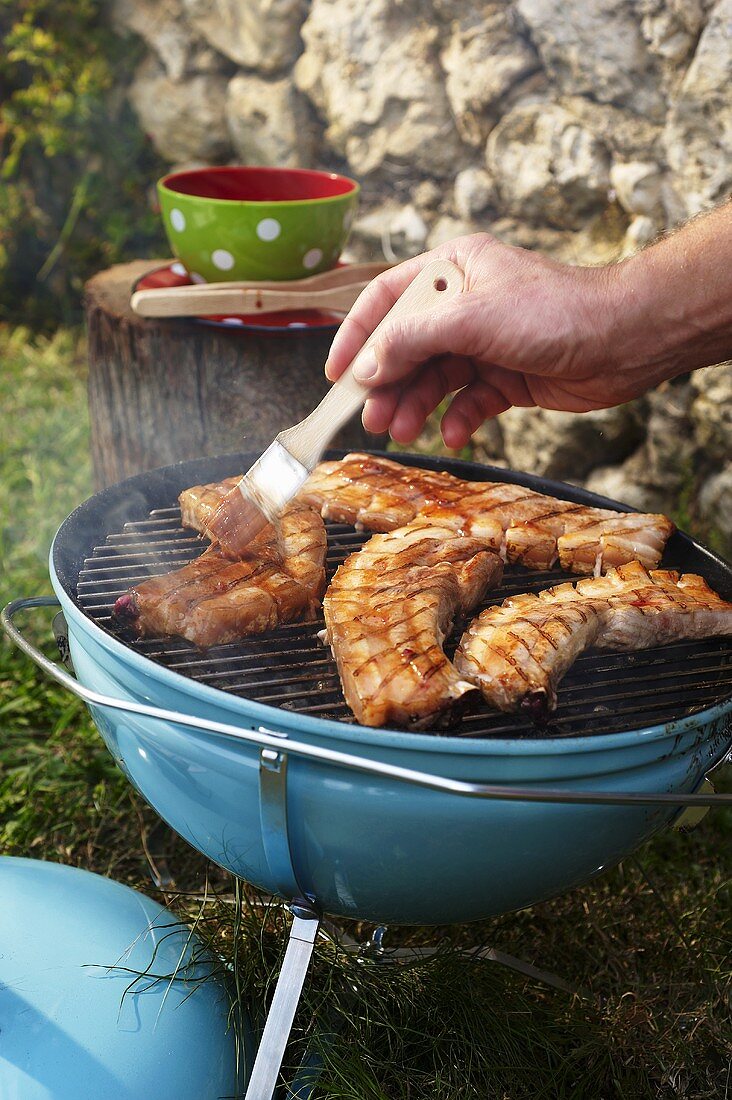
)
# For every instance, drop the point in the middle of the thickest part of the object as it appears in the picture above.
(375, 848)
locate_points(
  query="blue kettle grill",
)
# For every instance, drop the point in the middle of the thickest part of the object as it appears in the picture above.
(249, 752)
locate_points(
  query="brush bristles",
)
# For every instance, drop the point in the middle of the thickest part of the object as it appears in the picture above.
(234, 524)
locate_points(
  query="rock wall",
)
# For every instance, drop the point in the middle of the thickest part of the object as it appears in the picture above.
(580, 127)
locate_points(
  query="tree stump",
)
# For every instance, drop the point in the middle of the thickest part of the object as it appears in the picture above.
(163, 391)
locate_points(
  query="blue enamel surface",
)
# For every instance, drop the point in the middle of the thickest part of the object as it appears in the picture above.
(75, 1024)
(374, 848)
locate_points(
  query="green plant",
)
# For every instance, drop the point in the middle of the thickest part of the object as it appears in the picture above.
(76, 173)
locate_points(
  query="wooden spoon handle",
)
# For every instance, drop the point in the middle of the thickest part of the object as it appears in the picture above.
(436, 283)
(325, 280)
(198, 301)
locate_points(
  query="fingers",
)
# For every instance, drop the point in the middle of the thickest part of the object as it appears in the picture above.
(421, 397)
(468, 409)
(368, 310)
(485, 397)
(402, 411)
(379, 410)
(378, 298)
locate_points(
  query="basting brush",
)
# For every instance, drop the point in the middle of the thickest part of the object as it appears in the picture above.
(275, 478)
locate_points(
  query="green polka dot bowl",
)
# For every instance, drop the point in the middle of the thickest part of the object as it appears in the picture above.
(256, 223)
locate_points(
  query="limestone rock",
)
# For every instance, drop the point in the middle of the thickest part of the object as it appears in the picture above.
(474, 191)
(626, 134)
(698, 136)
(715, 504)
(653, 477)
(671, 28)
(372, 72)
(547, 166)
(626, 484)
(488, 443)
(448, 228)
(711, 411)
(410, 225)
(258, 34)
(637, 186)
(427, 195)
(670, 439)
(527, 235)
(397, 231)
(559, 444)
(484, 58)
(595, 49)
(185, 120)
(641, 231)
(162, 24)
(270, 122)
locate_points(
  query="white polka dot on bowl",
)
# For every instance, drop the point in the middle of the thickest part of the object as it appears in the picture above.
(231, 321)
(178, 269)
(196, 278)
(269, 229)
(177, 220)
(312, 258)
(222, 259)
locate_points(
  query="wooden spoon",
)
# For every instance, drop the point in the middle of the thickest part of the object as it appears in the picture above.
(195, 301)
(202, 299)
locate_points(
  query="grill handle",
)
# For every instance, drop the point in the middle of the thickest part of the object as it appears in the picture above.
(267, 739)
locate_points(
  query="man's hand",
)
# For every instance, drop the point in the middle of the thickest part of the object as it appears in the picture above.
(529, 331)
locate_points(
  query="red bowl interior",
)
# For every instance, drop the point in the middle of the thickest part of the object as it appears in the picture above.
(259, 184)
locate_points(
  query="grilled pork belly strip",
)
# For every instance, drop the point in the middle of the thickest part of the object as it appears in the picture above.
(517, 653)
(524, 527)
(387, 612)
(198, 504)
(213, 600)
(391, 604)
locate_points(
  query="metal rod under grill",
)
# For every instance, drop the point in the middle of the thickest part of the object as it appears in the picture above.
(289, 668)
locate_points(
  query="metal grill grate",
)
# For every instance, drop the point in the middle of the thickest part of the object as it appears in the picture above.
(290, 668)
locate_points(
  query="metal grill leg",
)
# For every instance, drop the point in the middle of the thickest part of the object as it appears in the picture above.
(284, 1005)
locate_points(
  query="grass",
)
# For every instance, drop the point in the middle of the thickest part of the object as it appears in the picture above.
(649, 941)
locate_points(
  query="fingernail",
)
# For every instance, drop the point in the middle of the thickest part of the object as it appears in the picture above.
(365, 366)
(327, 370)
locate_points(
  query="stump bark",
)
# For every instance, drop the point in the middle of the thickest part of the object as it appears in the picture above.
(163, 391)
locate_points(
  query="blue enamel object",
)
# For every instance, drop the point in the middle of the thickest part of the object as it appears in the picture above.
(76, 1020)
(368, 845)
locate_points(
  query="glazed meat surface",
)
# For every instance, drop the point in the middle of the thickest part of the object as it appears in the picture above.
(517, 653)
(387, 612)
(213, 600)
(522, 526)
(439, 546)
(198, 504)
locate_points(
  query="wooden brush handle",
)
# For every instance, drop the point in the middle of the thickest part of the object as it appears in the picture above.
(436, 283)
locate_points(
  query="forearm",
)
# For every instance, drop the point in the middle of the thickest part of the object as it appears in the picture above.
(671, 305)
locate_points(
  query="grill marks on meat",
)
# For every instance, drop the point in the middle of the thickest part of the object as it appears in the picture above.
(439, 546)
(387, 612)
(524, 527)
(214, 600)
(198, 504)
(517, 653)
